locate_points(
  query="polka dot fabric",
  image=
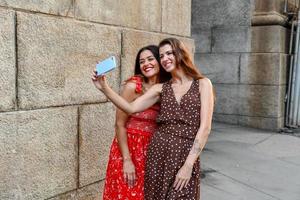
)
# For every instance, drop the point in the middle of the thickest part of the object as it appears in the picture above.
(169, 147)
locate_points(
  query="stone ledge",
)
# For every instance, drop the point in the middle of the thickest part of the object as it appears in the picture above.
(268, 18)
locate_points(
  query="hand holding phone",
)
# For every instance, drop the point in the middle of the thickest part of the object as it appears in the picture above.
(106, 65)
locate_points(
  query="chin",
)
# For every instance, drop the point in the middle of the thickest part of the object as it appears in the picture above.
(149, 75)
(169, 69)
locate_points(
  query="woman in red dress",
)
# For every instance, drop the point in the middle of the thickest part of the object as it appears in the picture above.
(125, 170)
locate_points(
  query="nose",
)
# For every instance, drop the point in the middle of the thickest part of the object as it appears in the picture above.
(163, 60)
(146, 63)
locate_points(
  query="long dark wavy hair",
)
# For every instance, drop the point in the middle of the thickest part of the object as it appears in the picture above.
(183, 57)
(163, 75)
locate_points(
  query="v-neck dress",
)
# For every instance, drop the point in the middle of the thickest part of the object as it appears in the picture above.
(178, 123)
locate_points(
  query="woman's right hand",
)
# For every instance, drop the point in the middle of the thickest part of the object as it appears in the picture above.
(99, 81)
(129, 172)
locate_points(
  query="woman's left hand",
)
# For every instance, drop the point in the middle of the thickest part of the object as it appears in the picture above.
(183, 177)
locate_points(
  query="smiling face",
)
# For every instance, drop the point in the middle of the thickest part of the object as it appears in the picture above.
(167, 57)
(148, 64)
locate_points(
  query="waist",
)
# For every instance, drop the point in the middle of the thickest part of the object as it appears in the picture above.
(184, 131)
(134, 131)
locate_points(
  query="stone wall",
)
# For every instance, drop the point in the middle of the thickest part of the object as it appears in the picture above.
(242, 46)
(55, 127)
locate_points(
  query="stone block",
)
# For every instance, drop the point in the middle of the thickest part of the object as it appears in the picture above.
(216, 13)
(38, 153)
(233, 39)
(269, 39)
(227, 99)
(220, 68)
(54, 7)
(264, 68)
(228, 119)
(132, 41)
(261, 100)
(96, 134)
(250, 100)
(202, 39)
(269, 123)
(90, 192)
(176, 17)
(139, 14)
(7, 60)
(56, 58)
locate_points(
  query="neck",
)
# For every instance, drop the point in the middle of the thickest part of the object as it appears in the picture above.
(152, 80)
(178, 76)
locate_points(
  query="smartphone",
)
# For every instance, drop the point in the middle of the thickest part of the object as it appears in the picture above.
(106, 65)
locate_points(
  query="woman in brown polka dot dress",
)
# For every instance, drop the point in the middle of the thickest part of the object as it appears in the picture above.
(184, 123)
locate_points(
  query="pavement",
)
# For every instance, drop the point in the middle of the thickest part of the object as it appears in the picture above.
(240, 163)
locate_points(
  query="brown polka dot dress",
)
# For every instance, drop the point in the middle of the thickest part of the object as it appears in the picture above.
(169, 147)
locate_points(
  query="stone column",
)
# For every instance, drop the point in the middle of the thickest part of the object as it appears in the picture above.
(242, 45)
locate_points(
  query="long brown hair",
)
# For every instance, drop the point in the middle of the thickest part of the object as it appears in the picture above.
(183, 57)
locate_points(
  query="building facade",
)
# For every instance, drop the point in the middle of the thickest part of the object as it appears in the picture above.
(55, 127)
(242, 45)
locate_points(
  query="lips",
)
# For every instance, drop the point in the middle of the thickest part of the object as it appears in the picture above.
(147, 69)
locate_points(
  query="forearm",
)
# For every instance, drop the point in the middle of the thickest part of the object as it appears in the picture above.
(122, 142)
(198, 145)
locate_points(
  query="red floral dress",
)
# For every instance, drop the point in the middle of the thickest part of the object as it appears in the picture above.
(140, 127)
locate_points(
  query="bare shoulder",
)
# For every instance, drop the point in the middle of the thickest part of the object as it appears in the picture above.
(157, 87)
(205, 83)
(128, 90)
(129, 85)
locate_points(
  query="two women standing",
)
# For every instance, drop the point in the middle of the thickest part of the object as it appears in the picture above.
(184, 123)
(126, 165)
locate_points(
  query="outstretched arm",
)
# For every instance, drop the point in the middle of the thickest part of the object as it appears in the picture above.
(138, 105)
(207, 105)
(129, 172)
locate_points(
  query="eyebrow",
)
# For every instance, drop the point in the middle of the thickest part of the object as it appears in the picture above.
(169, 51)
(146, 57)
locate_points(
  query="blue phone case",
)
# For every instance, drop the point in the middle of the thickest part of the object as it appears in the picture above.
(106, 65)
